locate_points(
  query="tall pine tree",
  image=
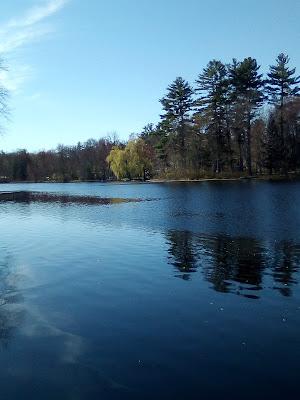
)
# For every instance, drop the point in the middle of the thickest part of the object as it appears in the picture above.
(177, 105)
(272, 145)
(212, 84)
(282, 84)
(247, 94)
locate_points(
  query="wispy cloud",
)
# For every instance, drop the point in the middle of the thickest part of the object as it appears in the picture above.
(23, 30)
(20, 31)
(14, 78)
(14, 39)
(37, 14)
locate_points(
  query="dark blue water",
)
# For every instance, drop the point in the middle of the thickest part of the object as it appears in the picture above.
(191, 293)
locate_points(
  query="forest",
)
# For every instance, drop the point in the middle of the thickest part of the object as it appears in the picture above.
(232, 122)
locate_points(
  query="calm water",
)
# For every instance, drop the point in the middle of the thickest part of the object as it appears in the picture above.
(192, 293)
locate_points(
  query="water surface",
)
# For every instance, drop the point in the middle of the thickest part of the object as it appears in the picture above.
(175, 291)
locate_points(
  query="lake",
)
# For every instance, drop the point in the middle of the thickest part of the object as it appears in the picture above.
(177, 291)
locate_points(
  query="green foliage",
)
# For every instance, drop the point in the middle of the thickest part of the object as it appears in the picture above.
(282, 85)
(247, 84)
(177, 105)
(282, 82)
(132, 162)
(213, 86)
(118, 162)
(247, 95)
(139, 159)
(272, 144)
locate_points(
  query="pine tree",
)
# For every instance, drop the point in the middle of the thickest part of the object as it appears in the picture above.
(272, 145)
(213, 86)
(282, 84)
(247, 94)
(177, 105)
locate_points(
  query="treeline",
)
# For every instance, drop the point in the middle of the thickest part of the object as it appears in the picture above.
(232, 122)
(85, 161)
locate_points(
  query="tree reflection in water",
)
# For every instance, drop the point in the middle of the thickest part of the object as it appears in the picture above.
(235, 265)
(286, 262)
(182, 252)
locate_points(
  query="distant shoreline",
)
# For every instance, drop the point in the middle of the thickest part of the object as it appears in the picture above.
(273, 178)
(236, 179)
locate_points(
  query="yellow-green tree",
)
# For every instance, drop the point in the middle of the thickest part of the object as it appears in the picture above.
(117, 160)
(133, 162)
(140, 158)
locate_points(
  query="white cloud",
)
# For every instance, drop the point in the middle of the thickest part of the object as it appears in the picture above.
(21, 31)
(14, 78)
(20, 38)
(37, 14)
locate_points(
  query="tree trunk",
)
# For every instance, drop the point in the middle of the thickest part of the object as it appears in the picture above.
(249, 158)
(228, 134)
(281, 123)
(241, 163)
(182, 142)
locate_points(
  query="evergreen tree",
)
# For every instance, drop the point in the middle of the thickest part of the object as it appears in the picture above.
(282, 84)
(213, 86)
(177, 105)
(272, 145)
(247, 94)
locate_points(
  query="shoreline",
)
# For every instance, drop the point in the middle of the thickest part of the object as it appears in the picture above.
(233, 179)
(273, 178)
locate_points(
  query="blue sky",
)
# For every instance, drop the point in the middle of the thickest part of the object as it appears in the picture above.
(81, 69)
